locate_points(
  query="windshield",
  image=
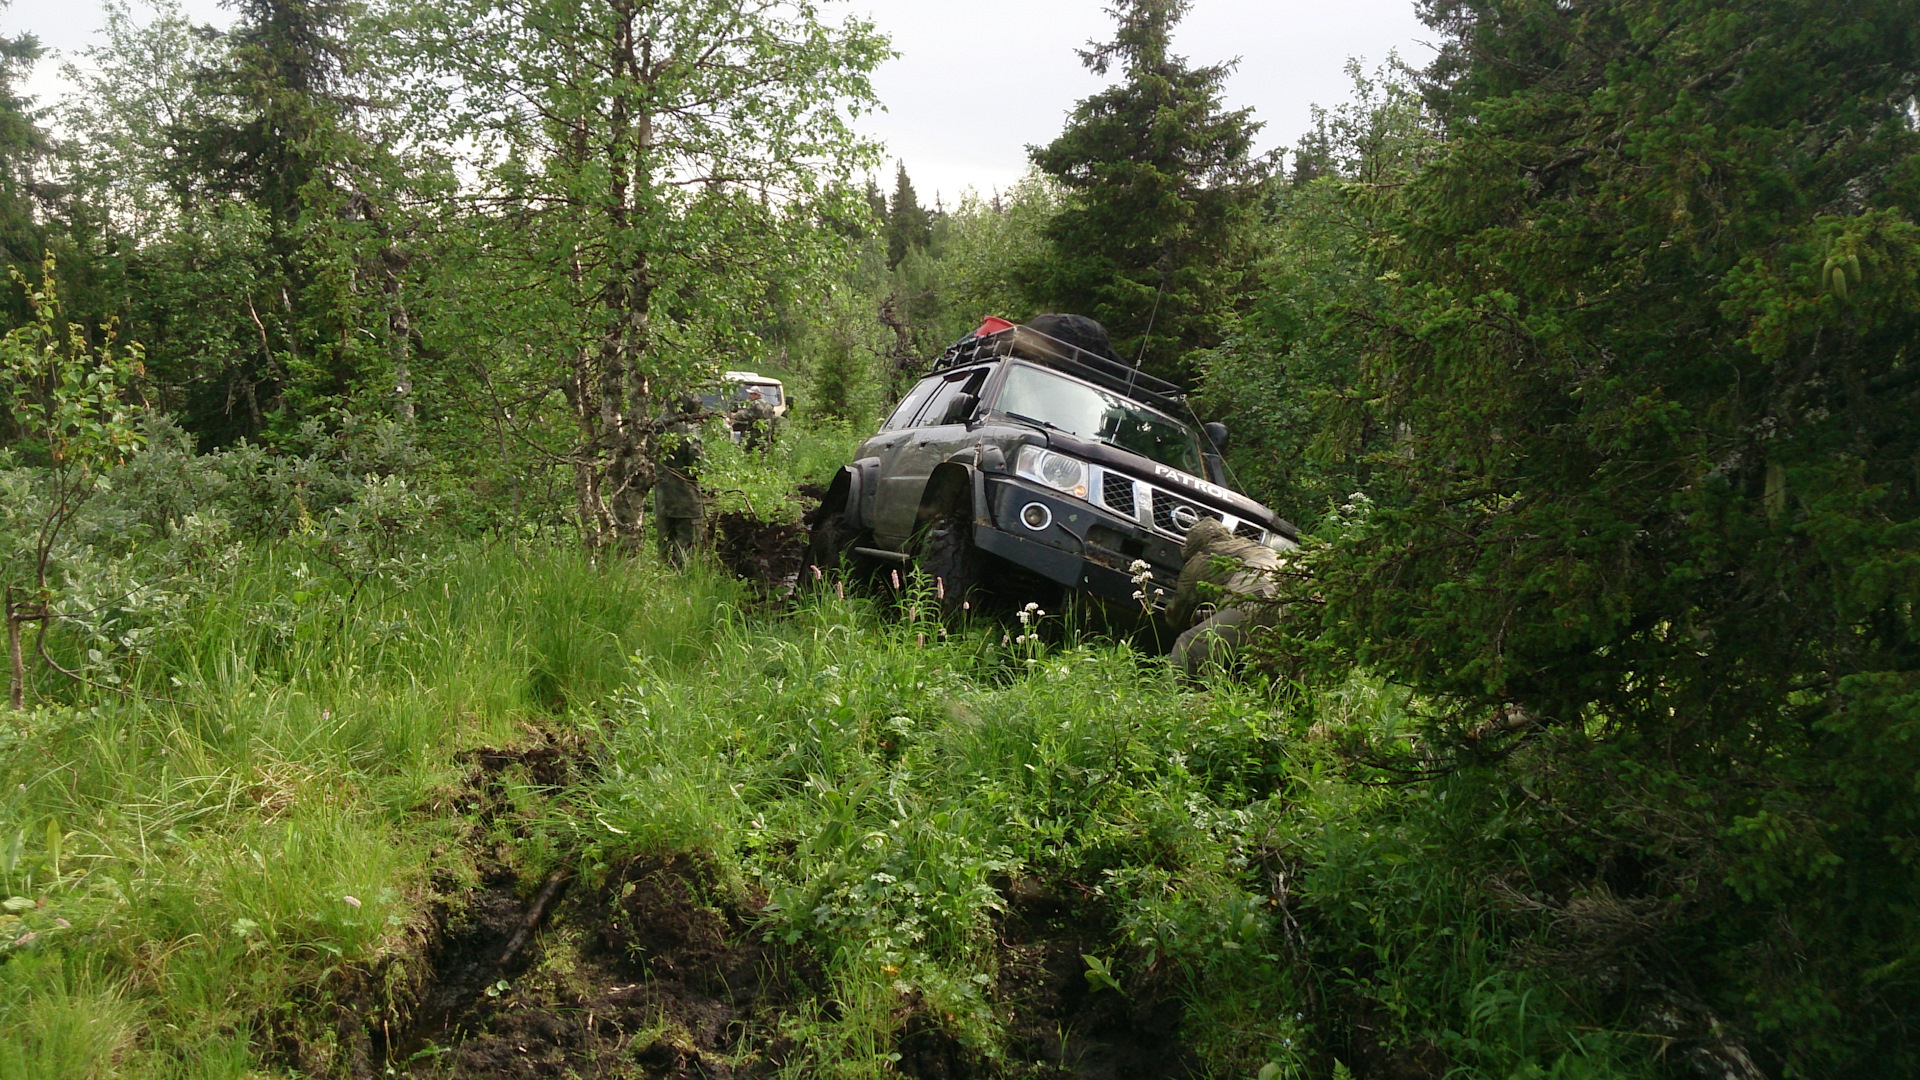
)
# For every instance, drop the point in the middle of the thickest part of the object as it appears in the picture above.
(732, 395)
(1090, 412)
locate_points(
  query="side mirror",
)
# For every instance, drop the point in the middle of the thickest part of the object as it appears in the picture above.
(1216, 469)
(1217, 435)
(960, 409)
(787, 400)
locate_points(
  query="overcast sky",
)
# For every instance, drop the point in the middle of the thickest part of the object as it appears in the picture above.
(977, 81)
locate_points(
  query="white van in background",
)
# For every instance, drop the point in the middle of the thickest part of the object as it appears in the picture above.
(732, 392)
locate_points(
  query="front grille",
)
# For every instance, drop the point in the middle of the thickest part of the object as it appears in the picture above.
(1148, 503)
(1164, 506)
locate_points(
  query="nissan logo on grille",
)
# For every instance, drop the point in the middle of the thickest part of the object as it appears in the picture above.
(1168, 514)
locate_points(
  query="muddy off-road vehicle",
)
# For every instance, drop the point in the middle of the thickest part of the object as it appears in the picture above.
(1022, 447)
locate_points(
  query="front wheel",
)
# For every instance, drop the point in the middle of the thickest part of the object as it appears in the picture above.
(946, 555)
(830, 544)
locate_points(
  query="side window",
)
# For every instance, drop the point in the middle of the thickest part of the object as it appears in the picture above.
(962, 382)
(910, 405)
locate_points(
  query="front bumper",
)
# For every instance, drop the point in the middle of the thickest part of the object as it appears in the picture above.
(1080, 547)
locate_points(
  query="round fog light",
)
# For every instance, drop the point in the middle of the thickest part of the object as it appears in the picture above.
(1035, 516)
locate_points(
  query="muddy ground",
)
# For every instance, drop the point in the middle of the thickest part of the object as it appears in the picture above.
(655, 973)
(767, 554)
(1057, 1023)
(660, 968)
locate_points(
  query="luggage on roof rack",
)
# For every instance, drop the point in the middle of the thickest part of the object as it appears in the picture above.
(1000, 338)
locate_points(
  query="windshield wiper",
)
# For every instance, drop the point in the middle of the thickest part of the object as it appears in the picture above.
(1036, 423)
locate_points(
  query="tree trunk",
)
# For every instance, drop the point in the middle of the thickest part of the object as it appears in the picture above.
(596, 526)
(610, 390)
(17, 695)
(626, 405)
(400, 341)
(901, 360)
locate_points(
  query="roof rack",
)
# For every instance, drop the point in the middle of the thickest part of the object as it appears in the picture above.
(998, 338)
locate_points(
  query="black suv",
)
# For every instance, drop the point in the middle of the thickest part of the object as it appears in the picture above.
(1023, 447)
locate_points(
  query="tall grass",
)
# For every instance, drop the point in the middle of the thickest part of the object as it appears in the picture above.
(197, 871)
(191, 864)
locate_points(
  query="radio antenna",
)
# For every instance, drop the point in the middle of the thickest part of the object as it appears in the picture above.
(1141, 356)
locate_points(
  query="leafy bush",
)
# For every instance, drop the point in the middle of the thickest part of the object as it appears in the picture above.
(1647, 540)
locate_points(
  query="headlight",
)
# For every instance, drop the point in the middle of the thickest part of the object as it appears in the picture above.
(1057, 471)
(1279, 543)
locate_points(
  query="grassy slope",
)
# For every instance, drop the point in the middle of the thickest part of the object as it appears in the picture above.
(208, 847)
(882, 785)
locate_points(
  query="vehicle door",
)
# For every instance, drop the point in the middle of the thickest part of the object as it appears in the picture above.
(941, 428)
(894, 432)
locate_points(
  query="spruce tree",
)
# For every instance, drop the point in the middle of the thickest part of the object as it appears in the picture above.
(1163, 183)
(282, 78)
(281, 136)
(22, 146)
(908, 224)
(877, 203)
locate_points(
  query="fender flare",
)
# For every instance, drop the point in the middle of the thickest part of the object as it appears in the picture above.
(954, 486)
(835, 499)
(854, 487)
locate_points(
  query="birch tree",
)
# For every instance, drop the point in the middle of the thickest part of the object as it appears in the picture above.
(641, 172)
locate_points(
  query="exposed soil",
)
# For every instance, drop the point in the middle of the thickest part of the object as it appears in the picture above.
(653, 968)
(770, 554)
(1058, 1024)
(549, 759)
(653, 974)
(358, 1021)
(650, 970)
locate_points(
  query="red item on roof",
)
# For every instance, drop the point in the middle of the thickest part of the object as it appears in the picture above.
(993, 325)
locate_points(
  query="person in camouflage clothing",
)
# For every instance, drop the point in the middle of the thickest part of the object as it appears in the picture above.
(1220, 567)
(680, 511)
(754, 422)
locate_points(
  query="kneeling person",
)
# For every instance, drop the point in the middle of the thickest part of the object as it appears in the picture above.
(1220, 568)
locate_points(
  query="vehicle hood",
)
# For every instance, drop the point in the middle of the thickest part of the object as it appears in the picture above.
(1196, 488)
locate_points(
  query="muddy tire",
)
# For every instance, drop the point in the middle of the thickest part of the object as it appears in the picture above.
(944, 552)
(830, 545)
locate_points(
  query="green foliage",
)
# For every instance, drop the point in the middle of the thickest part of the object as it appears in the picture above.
(239, 200)
(982, 245)
(909, 226)
(766, 486)
(674, 169)
(1591, 352)
(23, 147)
(1287, 379)
(65, 397)
(280, 129)
(66, 405)
(184, 864)
(871, 335)
(1163, 184)
(842, 347)
(1645, 351)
